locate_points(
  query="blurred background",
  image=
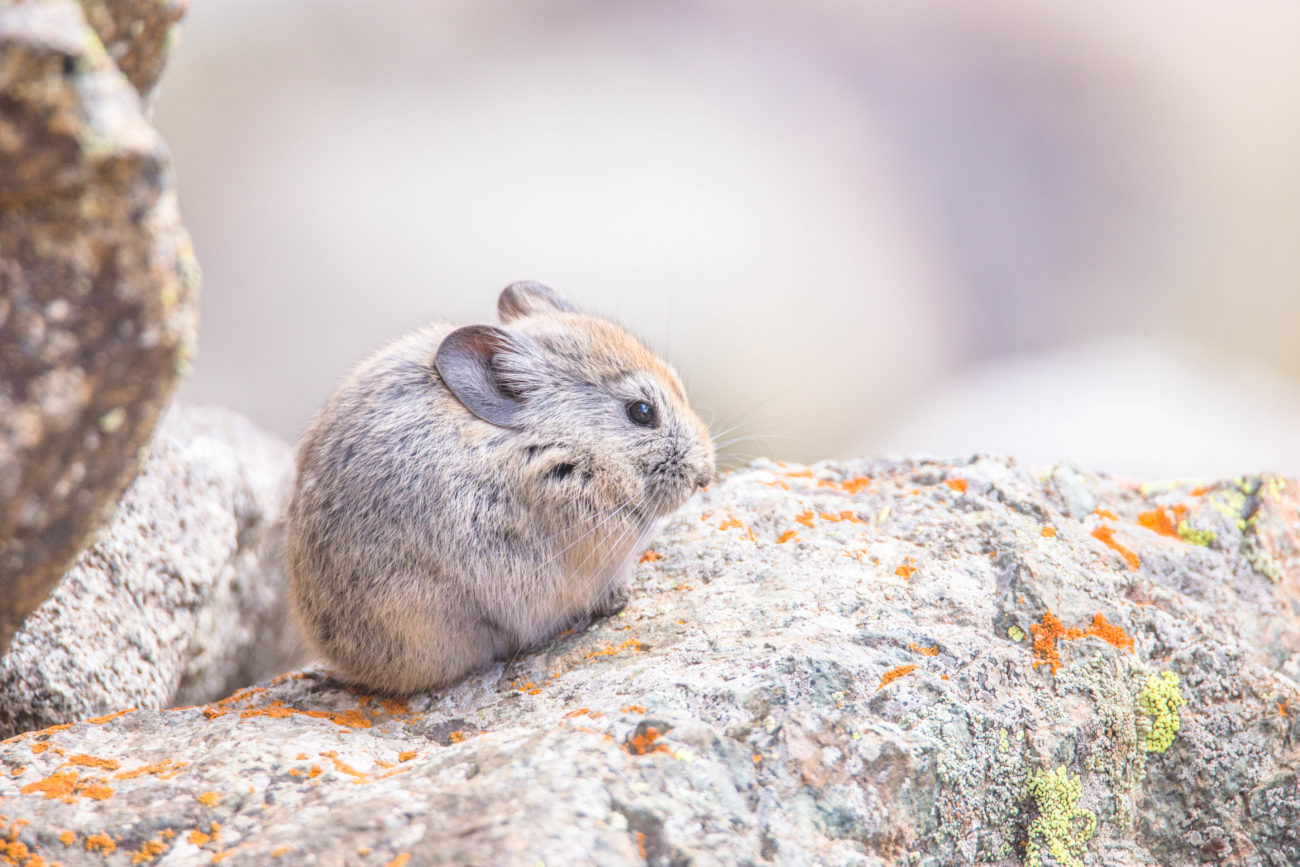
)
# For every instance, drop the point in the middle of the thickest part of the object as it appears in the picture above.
(1048, 230)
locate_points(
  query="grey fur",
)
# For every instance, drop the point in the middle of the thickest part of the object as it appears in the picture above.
(425, 540)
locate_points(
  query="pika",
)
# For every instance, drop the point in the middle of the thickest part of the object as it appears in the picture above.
(469, 492)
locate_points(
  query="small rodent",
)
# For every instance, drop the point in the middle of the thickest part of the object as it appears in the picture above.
(469, 492)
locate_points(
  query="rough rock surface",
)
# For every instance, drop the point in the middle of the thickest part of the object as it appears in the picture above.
(98, 284)
(180, 599)
(852, 664)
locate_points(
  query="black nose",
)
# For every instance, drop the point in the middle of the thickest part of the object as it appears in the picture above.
(702, 481)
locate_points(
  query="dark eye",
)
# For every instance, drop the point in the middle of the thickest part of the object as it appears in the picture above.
(641, 413)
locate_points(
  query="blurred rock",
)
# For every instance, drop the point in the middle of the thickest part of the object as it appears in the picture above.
(180, 600)
(815, 668)
(137, 35)
(98, 283)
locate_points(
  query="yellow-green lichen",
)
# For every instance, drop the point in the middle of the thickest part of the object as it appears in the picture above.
(1059, 816)
(1261, 561)
(1232, 504)
(1016, 633)
(1160, 700)
(1188, 533)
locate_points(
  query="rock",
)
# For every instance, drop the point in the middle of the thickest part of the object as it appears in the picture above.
(98, 284)
(181, 598)
(872, 662)
(137, 35)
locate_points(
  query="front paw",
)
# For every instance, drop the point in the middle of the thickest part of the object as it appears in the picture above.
(614, 601)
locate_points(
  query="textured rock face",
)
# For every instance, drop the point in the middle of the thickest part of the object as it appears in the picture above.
(98, 283)
(853, 664)
(180, 599)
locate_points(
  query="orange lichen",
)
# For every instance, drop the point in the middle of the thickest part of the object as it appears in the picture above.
(633, 708)
(150, 850)
(198, 838)
(342, 766)
(1105, 513)
(906, 570)
(640, 845)
(805, 518)
(611, 650)
(395, 705)
(208, 799)
(787, 536)
(846, 515)
(67, 838)
(351, 718)
(650, 556)
(644, 743)
(67, 786)
(1281, 706)
(97, 791)
(800, 474)
(1109, 632)
(924, 651)
(457, 737)
(100, 720)
(40, 747)
(777, 483)
(314, 771)
(1160, 521)
(281, 850)
(958, 485)
(93, 762)
(164, 770)
(100, 842)
(852, 486)
(530, 688)
(400, 860)
(1045, 635)
(1201, 490)
(894, 674)
(1106, 534)
(407, 755)
(582, 711)
(736, 523)
(1051, 629)
(1049, 531)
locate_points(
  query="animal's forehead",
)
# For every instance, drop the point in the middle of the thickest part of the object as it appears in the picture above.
(601, 350)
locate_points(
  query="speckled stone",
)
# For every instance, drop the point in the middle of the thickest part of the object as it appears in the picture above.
(818, 666)
(98, 284)
(181, 599)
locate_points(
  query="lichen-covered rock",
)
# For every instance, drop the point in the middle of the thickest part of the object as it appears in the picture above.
(874, 662)
(98, 283)
(180, 599)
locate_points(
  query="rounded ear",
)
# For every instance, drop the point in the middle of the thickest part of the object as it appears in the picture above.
(526, 298)
(465, 361)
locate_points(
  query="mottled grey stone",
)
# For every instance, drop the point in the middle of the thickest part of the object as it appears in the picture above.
(98, 283)
(754, 702)
(180, 600)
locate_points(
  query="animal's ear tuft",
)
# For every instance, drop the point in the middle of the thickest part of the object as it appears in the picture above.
(468, 361)
(527, 298)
